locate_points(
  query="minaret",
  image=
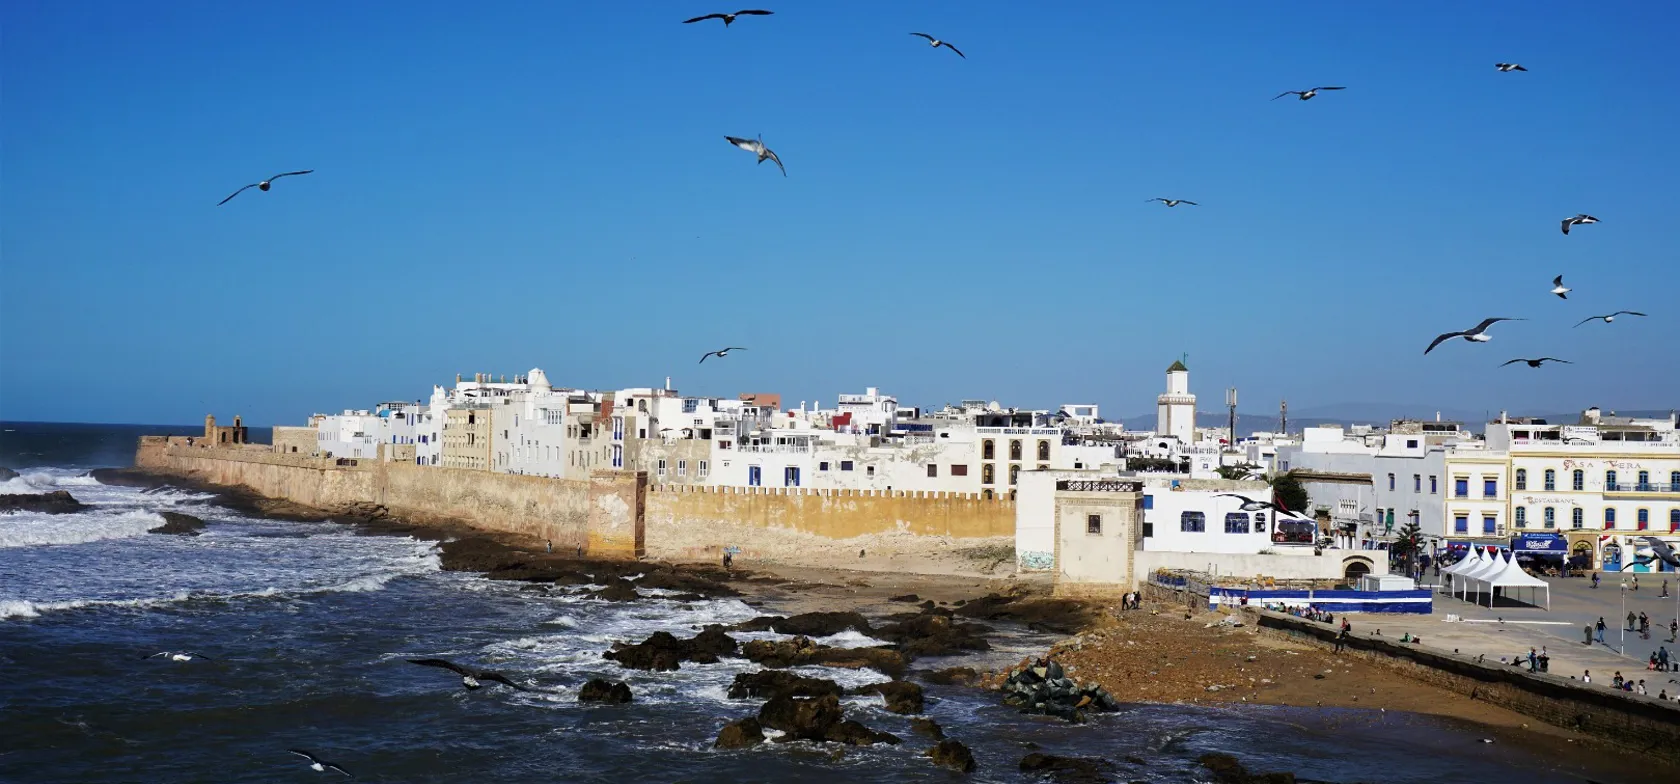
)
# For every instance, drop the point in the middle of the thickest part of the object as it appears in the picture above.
(1175, 411)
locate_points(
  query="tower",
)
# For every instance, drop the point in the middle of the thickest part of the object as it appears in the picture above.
(1175, 411)
(210, 428)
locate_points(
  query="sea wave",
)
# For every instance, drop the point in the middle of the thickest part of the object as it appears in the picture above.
(28, 529)
(23, 608)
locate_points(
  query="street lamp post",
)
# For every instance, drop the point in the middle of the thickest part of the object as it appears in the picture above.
(1623, 619)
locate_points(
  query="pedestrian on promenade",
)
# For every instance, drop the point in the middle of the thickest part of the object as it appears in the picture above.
(1586, 676)
(1617, 680)
(1595, 581)
(1640, 689)
(1662, 658)
(1545, 660)
(1341, 639)
(1587, 632)
(1664, 594)
(1533, 661)
(1630, 619)
(1636, 582)
(1644, 626)
(1673, 628)
(1601, 628)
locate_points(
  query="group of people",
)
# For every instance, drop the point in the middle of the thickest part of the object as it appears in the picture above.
(1540, 661)
(1131, 600)
(1660, 661)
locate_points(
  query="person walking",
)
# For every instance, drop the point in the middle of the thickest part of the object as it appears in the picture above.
(1662, 658)
(1630, 619)
(1595, 581)
(1664, 594)
(550, 543)
(1533, 661)
(1545, 660)
(1341, 639)
(1601, 628)
(1673, 629)
(1636, 582)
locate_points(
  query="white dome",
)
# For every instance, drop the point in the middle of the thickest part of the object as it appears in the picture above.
(537, 379)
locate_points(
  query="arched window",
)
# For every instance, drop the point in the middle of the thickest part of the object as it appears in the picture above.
(1610, 517)
(1643, 519)
(1578, 518)
(1551, 479)
(1014, 470)
(1673, 520)
(1580, 479)
(986, 475)
(1192, 522)
(1522, 517)
(987, 449)
(1015, 449)
(1551, 517)
(1644, 481)
(1044, 450)
(1522, 479)
(1609, 481)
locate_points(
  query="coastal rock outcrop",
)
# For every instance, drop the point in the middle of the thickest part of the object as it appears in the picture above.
(662, 651)
(772, 683)
(934, 633)
(952, 754)
(55, 502)
(1043, 688)
(1068, 770)
(1227, 770)
(801, 718)
(1061, 616)
(602, 690)
(178, 524)
(801, 651)
(953, 676)
(901, 696)
(812, 624)
(928, 727)
(618, 591)
(740, 734)
(854, 733)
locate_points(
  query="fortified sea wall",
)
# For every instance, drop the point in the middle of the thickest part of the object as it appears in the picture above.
(613, 513)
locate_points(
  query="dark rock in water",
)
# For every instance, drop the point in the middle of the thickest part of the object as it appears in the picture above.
(662, 652)
(7, 473)
(854, 733)
(928, 605)
(1068, 770)
(815, 624)
(178, 524)
(740, 734)
(1227, 770)
(618, 591)
(599, 690)
(771, 683)
(953, 676)
(901, 696)
(55, 502)
(934, 634)
(800, 651)
(712, 642)
(928, 727)
(1044, 689)
(909, 597)
(952, 754)
(801, 718)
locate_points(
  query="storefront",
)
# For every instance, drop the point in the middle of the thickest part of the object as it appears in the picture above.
(1543, 551)
(1616, 552)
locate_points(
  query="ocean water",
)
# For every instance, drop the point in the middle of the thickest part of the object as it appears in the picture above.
(306, 626)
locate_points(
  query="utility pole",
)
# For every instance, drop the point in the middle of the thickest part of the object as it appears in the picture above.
(1231, 403)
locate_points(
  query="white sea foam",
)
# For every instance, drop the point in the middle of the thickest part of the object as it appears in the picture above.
(23, 529)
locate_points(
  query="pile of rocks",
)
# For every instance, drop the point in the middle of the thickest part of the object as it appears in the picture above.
(1043, 688)
(663, 652)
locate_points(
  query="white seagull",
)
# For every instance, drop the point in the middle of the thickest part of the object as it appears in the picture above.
(936, 43)
(470, 678)
(1611, 317)
(1172, 202)
(1559, 289)
(756, 146)
(1534, 363)
(1306, 95)
(1476, 334)
(182, 656)
(728, 19)
(720, 353)
(263, 186)
(1579, 220)
(317, 764)
(1506, 67)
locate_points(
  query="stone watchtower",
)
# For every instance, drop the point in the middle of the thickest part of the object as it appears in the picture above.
(210, 428)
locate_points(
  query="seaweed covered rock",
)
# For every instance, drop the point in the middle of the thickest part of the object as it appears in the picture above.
(740, 734)
(901, 696)
(952, 754)
(601, 690)
(801, 718)
(771, 683)
(662, 651)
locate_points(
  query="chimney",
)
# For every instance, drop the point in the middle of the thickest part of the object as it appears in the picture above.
(667, 383)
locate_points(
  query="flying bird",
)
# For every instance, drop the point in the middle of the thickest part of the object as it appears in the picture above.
(756, 146)
(1476, 334)
(728, 19)
(264, 185)
(1251, 505)
(1558, 287)
(470, 678)
(1306, 95)
(317, 764)
(1505, 67)
(720, 353)
(1578, 220)
(1534, 363)
(1611, 317)
(1172, 202)
(182, 656)
(936, 43)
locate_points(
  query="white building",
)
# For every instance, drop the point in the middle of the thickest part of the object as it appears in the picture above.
(1175, 411)
(360, 433)
(1196, 517)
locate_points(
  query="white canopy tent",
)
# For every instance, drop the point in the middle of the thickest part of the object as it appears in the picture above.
(1470, 561)
(1511, 576)
(1476, 576)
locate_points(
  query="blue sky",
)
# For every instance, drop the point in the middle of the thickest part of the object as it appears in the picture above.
(505, 186)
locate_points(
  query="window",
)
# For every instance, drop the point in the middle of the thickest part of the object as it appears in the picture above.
(682, 468)
(1149, 502)
(691, 405)
(1490, 488)
(618, 428)
(1489, 526)
(1044, 450)
(1192, 522)
(1461, 524)
(1461, 487)
(933, 470)
(790, 476)
(1674, 482)
(1411, 443)
(1642, 519)
(661, 466)
(1417, 483)
(869, 471)
(617, 455)
(1014, 471)
(822, 465)
(1610, 518)
(1522, 479)
(845, 465)
(1551, 480)
(1521, 514)
(1044, 466)
(1093, 524)
(1236, 523)
(1673, 520)
(755, 476)
(1432, 484)
(1644, 481)
(1577, 518)
(959, 469)
(986, 477)
(1609, 481)
(1015, 449)
(987, 450)
(1391, 482)
(1579, 480)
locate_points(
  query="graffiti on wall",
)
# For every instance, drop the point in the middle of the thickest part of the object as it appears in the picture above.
(1036, 560)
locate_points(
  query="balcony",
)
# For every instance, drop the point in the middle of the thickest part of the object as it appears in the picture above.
(1648, 487)
(777, 449)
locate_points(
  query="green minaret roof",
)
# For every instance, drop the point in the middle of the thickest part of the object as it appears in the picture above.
(1176, 366)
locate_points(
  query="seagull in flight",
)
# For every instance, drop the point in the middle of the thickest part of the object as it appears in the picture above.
(182, 656)
(1251, 505)
(1611, 317)
(1476, 334)
(1578, 220)
(936, 43)
(1559, 289)
(1507, 67)
(470, 678)
(1306, 95)
(720, 353)
(1534, 363)
(728, 19)
(317, 764)
(756, 146)
(1172, 202)
(264, 185)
